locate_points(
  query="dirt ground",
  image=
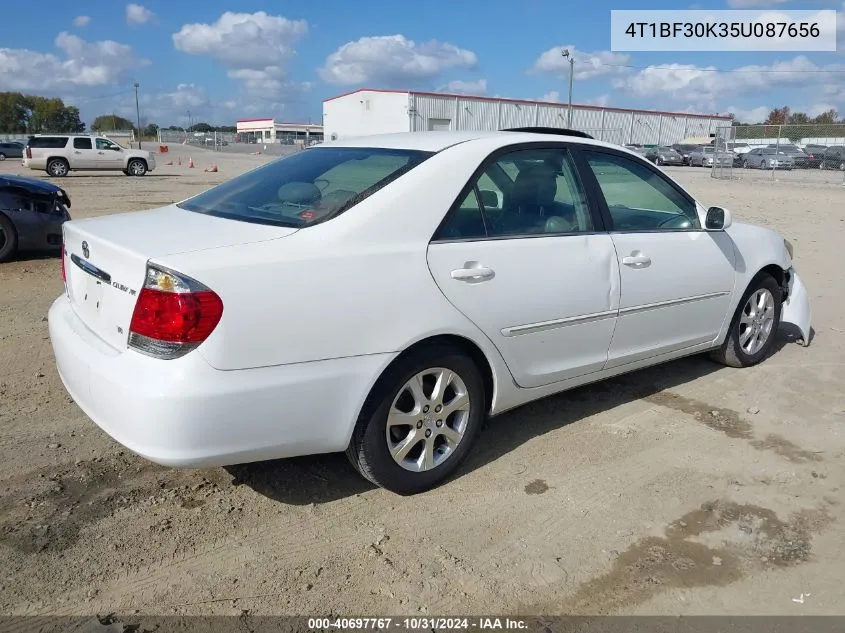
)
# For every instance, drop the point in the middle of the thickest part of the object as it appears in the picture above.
(683, 489)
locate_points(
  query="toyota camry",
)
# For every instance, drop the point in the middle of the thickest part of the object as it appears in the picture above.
(383, 295)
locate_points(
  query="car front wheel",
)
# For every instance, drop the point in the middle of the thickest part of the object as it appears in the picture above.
(752, 330)
(136, 168)
(420, 421)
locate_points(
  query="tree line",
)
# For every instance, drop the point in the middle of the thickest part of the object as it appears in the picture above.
(793, 125)
(29, 114)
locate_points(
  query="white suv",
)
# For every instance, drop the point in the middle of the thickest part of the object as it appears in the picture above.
(59, 154)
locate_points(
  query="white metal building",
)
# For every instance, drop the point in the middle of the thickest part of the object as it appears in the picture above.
(269, 131)
(370, 111)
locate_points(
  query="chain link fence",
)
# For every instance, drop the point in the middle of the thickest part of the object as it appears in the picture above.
(802, 153)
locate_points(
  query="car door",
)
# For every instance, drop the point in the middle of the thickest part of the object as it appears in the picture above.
(109, 155)
(523, 255)
(82, 153)
(676, 278)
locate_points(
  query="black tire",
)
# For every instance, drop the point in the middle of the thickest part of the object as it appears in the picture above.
(136, 167)
(368, 449)
(658, 161)
(2, 156)
(731, 352)
(58, 167)
(8, 239)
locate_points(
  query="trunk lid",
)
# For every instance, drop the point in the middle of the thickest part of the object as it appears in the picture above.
(106, 259)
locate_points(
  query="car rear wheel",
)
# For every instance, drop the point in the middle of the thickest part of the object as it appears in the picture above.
(420, 421)
(58, 167)
(2, 156)
(136, 168)
(753, 327)
(8, 239)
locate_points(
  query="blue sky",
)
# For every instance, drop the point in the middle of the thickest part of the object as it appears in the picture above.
(225, 60)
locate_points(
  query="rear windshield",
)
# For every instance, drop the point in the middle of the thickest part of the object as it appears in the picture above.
(306, 188)
(52, 142)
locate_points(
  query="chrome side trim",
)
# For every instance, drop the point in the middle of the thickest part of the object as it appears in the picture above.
(671, 302)
(531, 328)
(542, 326)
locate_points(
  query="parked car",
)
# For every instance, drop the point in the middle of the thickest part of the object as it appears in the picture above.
(685, 151)
(664, 156)
(833, 158)
(800, 160)
(767, 158)
(10, 149)
(31, 215)
(707, 156)
(815, 154)
(59, 154)
(406, 317)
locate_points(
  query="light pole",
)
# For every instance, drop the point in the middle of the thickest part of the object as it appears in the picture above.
(138, 114)
(565, 53)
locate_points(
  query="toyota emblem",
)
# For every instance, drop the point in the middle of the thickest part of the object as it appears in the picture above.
(85, 250)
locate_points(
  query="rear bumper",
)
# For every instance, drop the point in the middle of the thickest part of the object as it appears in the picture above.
(185, 413)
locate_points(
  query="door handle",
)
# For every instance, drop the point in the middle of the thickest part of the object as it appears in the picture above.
(77, 152)
(473, 272)
(636, 259)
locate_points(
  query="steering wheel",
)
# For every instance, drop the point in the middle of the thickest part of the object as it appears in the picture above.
(323, 188)
(676, 222)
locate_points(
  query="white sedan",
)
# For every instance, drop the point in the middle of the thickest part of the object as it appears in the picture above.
(382, 295)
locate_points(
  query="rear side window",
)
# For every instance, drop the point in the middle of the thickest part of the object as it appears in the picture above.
(48, 142)
(308, 187)
(82, 143)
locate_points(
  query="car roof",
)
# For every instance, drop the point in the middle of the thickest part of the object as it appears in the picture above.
(435, 141)
(32, 183)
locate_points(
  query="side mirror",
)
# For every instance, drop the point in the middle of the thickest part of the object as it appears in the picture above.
(717, 219)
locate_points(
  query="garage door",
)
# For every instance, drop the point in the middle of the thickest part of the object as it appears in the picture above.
(440, 125)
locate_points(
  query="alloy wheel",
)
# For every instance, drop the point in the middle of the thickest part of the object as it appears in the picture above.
(428, 419)
(757, 321)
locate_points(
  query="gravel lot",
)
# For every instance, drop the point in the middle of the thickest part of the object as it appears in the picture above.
(684, 489)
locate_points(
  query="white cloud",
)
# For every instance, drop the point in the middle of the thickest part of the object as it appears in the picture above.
(754, 4)
(750, 115)
(82, 20)
(85, 65)
(393, 59)
(601, 100)
(587, 65)
(138, 15)
(681, 82)
(457, 86)
(552, 96)
(254, 47)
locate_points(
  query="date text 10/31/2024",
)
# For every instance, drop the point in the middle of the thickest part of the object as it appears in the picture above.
(416, 623)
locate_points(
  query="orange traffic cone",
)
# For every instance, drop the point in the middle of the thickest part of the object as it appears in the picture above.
(180, 160)
(190, 162)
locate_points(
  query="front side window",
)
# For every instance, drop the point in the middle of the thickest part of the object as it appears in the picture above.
(638, 198)
(103, 143)
(308, 187)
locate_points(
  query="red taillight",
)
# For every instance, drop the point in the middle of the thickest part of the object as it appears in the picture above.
(29, 152)
(64, 272)
(176, 317)
(173, 314)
